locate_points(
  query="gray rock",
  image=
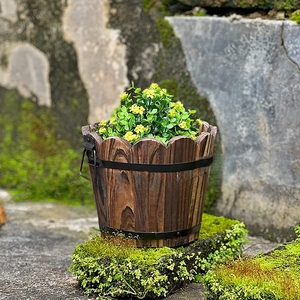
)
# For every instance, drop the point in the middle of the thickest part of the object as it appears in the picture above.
(27, 70)
(8, 10)
(4, 196)
(249, 71)
(101, 56)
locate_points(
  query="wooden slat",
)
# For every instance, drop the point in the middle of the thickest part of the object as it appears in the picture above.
(149, 188)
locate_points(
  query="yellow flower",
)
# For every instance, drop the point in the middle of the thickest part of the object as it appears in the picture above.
(172, 112)
(163, 92)
(123, 96)
(139, 129)
(154, 86)
(102, 130)
(112, 119)
(137, 109)
(183, 125)
(130, 137)
(102, 123)
(149, 93)
(178, 105)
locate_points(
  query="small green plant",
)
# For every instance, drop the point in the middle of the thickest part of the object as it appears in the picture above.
(110, 267)
(296, 16)
(149, 113)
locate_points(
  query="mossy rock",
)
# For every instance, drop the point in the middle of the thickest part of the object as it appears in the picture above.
(282, 5)
(110, 267)
(272, 276)
(296, 16)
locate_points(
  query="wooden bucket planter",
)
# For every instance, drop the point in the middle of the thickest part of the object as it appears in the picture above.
(148, 191)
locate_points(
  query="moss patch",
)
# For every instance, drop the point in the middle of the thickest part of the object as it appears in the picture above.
(221, 8)
(296, 16)
(212, 225)
(112, 268)
(272, 276)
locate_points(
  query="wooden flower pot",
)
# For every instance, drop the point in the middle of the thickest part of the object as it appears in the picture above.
(148, 191)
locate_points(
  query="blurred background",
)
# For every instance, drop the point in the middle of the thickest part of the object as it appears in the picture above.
(63, 65)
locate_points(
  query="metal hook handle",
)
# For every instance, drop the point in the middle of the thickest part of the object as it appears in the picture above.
(81, 165)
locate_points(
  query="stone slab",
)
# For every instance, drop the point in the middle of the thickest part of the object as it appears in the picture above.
(249, 71)
(101, 56)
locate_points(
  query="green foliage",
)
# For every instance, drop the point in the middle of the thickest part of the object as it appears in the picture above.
(297, 231)
(148, 4)
(274, 276)
(110, 267)
(285, 5)
(35, 161)
(280, 5)
(165, 31)
(149, 113)
(296, 16)
(201, 14)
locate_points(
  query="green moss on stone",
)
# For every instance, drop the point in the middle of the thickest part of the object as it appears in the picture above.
(296, 16)
(274, 276)
(212, 225)
(165, 31)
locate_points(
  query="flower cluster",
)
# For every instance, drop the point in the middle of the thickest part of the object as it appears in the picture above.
(149, 113)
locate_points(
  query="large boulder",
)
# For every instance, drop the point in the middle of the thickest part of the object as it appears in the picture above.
(249, 70)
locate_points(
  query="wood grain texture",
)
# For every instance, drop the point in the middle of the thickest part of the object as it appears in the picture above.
(3, 218)
(142, 201)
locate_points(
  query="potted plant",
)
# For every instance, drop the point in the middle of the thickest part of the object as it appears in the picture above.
(149, 165)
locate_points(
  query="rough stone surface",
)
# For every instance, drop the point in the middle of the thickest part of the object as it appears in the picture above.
(35, 250)
(28, 71)
(101, 56)
(249, 71)
(8, 10)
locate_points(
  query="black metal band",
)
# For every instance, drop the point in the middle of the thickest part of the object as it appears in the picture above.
(89, 150)
(150, 235)
(176, 167)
